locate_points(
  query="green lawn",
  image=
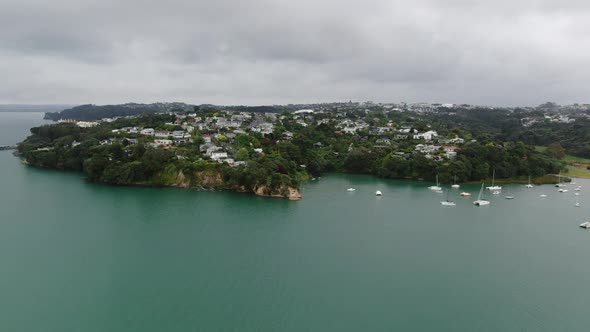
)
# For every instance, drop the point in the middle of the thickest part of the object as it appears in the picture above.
(574, 159)
(540, 148)
(568, 158)
(578, 172)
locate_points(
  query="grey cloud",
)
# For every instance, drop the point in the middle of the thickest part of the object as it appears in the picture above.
(275, 51)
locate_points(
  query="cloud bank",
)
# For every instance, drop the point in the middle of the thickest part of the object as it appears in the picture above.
(274, 52)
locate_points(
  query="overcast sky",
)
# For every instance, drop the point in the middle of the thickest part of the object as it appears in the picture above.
(501, 52)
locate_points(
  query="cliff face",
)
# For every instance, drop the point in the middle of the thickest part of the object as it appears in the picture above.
(212, 180)
(282, 192)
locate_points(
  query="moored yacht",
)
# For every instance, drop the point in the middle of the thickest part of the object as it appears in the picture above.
(455, 185)
(437, 187)
(494, 187)
(585, 224)
(378, 193)
(480, 201)
(350, 189)
(447, 202)
(529, 185)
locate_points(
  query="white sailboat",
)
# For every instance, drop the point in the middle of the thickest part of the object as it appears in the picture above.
(493, 187)
(529, 185)
(508, 195)
(480, 201)
(577, 202)
(585, 224)
(447, 202)
(378, 193)
(350, 189)
(559, 184)
(437, 187)
(455, 185)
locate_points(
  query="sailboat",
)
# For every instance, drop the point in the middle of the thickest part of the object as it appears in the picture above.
(437, 187)
(350, 189)
(577, 202)
(447, 202)
(493, 187)
(455, 185)
(480, 201)
(529, 185)
(508, 196)
(559, 184)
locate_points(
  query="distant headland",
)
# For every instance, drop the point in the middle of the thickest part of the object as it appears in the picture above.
(270, 150)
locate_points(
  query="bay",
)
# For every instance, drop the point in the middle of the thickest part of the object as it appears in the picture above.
(76, 256)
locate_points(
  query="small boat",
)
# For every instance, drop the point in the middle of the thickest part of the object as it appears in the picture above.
(350, 189)
(529, 185)
(578, 188)
(496, 193)
(447, 202)
(559, 183)
(585, 224)
(543, 195)
(439, 191)
(465, 194)
(437, 187)
(561, 190)
(577, 202)
(378, 193)
(508, 195)
(493, 187)
(577, 194)
(480, 201)
(455, 185)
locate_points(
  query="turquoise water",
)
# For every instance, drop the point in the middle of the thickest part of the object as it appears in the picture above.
(82, 257)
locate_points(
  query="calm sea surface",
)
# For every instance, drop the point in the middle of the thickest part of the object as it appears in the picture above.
(81, 257)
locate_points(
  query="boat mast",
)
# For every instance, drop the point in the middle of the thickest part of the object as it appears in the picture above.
(493, 176)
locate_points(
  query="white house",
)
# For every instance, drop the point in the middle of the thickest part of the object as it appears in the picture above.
(427, 136)
(147, 131)
(218, 155)
(162, 142)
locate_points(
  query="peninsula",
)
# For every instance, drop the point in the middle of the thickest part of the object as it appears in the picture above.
(270, 150)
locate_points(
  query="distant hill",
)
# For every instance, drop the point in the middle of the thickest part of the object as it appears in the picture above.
(32, 108)
(94, 112)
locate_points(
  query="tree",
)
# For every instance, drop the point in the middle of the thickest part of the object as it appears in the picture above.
(555, 150)
(242, 154)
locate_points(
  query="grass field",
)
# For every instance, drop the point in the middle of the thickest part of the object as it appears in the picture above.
(573, 159)
(577, 166)
(578, 172)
